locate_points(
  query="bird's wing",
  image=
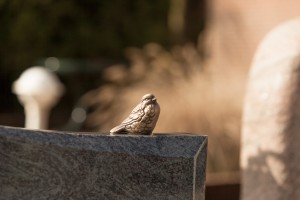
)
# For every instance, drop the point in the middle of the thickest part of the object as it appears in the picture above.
(136, 115)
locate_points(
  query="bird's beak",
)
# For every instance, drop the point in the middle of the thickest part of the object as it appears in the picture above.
(154, 99)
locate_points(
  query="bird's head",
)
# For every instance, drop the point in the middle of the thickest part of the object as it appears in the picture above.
(148, 99)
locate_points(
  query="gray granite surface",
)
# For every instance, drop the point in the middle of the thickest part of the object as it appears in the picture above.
(61, 165)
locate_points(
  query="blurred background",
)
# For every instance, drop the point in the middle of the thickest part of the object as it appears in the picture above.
(194, 55)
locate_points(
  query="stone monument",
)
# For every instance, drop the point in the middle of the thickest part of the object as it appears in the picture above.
(39, 165)
(271, 122)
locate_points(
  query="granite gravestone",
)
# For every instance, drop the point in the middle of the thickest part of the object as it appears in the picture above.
(60, 165)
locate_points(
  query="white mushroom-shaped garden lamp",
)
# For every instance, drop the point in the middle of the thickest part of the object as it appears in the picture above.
(38, 90)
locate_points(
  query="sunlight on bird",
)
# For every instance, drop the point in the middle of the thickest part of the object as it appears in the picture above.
(142, 119)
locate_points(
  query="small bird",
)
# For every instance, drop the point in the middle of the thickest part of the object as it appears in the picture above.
(142, 118)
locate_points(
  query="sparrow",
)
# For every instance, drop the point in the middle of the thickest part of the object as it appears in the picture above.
(142, 119)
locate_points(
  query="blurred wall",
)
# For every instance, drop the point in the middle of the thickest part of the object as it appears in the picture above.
(235, 28)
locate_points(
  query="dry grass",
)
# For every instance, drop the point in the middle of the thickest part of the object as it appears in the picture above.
(192, 98)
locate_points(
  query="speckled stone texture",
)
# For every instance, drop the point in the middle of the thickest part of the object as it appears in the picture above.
(270, 158)
(37, 165)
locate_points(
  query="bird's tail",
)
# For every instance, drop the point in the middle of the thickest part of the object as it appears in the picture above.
(118, 130)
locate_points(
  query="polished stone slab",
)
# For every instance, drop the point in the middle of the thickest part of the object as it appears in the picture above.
(61, 165)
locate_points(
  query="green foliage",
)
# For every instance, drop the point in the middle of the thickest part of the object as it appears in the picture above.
(79, 29)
